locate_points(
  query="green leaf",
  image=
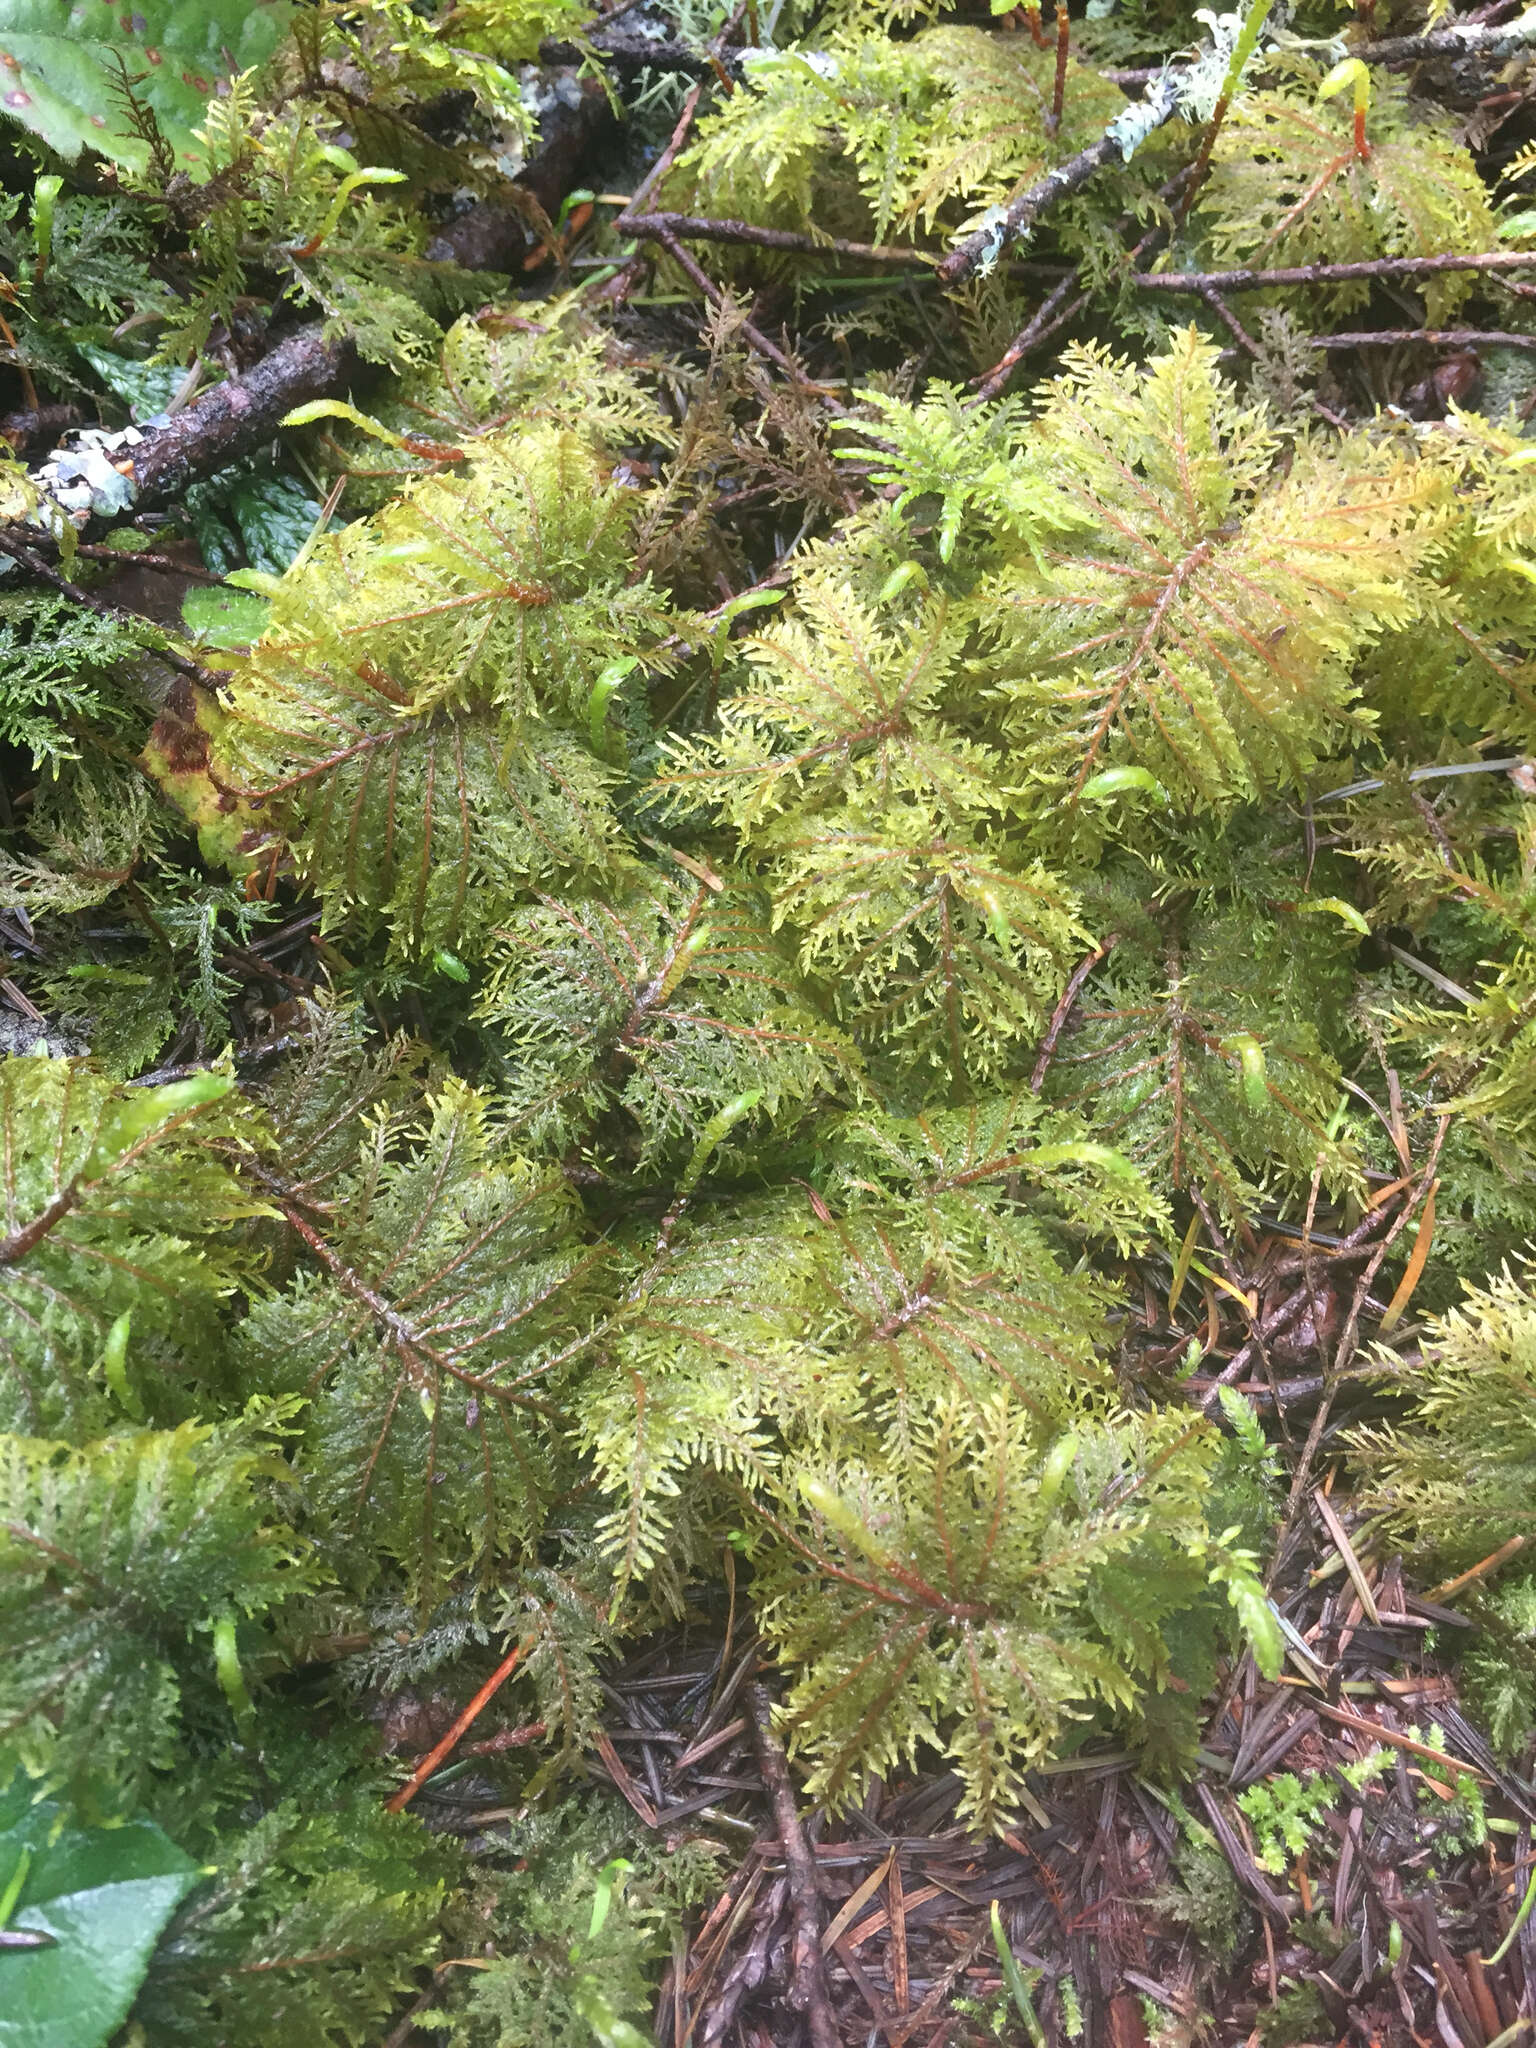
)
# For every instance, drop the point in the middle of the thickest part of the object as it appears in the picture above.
(145, 1110)
(102, 1895)
(1250, 1055)
(145, 388)
(1081, 1152)
(114, 1359)
(609, 1880)
(61, 67)
(1251, 1605)
(1013, 1977)
(217, 616)
(1111, 781)
(602, 690)
(1335, 906)
(248, 508)
(338, 409)
(226, 1660)
(608, 2030)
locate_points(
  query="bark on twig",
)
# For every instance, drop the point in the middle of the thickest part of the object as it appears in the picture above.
(1431, 337)
(1063, 1010)
(1470, 39)
(1069, 298)
(983, 247)
(235, 418)
(26, 558)
(1157, 105)
(1054, 312)
(690, 227)
(1201, 283)
(808, 1981)
(1489, 42)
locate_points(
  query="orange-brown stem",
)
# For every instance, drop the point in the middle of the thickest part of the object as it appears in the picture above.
(1063, 50)
(434, 1757)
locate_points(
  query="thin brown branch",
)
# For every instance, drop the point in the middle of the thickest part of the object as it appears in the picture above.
(669, 155)
(716, 297)
(126, 558)
(14, 1249)
(690, 227)
(616, 287)
(1233, 325)
(1052, 314)
(1061, 307)
(434, 1757)
(980, 250)
(1430, 337)
(808, 1981)
(1063, 1010)
(1063, 54)
(27, 558)
(1200, 283)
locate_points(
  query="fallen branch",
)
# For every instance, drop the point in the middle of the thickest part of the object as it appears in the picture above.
(1432, 337)
(690, 227)
(1201, 283)
(1119, 142)
(104, 473)
(1489, 42)
(808, 1991)
(1466, 39)
(1052, 314)
(1069, 298)
(233, 419)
